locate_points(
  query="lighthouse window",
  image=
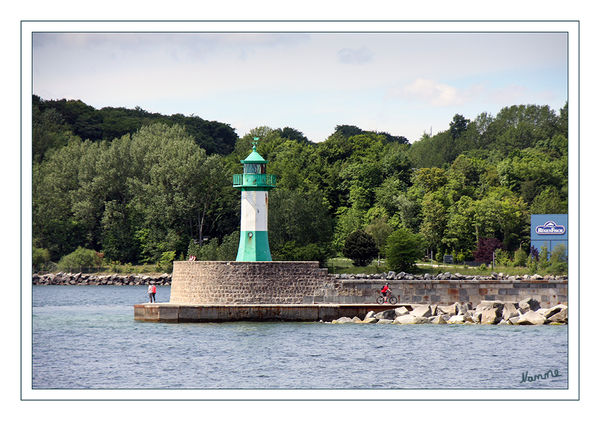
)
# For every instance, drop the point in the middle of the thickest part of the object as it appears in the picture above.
(251, 168)
(254, 168)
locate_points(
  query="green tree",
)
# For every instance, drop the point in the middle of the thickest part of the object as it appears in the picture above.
(380, 231)
(361, 248)
(403, 249)
(301, 217)
(434, 221)
(548, 201)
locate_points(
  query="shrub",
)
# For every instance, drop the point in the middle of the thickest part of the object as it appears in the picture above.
(403, 249)
(165, 263)
(80, 259)
(532, 263)
(360, 247)
(229, 246)
(310, 252)
(212, 250)
(114, 266)
(502, 257)
(544, 258)
(520, 257)
(439, 256)
(558, 260)
(209, 250)
(485, 249)
(40, 258)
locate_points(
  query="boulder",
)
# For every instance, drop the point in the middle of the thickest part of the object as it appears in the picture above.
(514, 320)
(561, 317)
(384, 321)
(421, 311)
(356, 319)
(549, 312)
(529, 303)
(386, 314)
(391, 275)
(509, 311)
(487, 305)
(404, 319)
(491, 316)
(409, 319)
(342, 320)
(370, 314)
(370, 320)
(462, 308)
(531, 318)
(504, 322)
(401, 311)
(460, 318)
(451, 310)
(437, 320)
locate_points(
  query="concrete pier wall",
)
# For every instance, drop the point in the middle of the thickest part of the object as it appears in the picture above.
(306, 283)
(548, 292)
(176, 313)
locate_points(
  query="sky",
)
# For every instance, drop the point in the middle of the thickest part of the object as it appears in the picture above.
(405, 84)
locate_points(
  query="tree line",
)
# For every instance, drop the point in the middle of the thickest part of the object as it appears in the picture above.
(134, 185)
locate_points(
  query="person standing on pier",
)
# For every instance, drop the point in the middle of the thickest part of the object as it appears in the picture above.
(152, 293)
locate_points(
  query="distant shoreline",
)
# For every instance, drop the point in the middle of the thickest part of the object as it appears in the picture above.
(61, 278)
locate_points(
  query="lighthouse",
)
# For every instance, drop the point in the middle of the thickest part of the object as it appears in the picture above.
(254, 184)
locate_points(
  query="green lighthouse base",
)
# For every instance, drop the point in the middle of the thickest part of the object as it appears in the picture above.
(254, 247)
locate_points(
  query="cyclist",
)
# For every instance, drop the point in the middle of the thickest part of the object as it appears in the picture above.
(386, 291)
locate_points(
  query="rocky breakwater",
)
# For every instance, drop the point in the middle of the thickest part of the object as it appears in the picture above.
(61, 278)
(525, 312)
(403, 276)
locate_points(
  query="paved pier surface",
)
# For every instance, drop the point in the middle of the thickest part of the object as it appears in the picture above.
(180, 313)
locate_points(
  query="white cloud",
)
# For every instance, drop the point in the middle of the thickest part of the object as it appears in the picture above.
(432, 92)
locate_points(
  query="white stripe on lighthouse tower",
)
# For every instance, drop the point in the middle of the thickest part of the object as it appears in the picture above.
(254, 210)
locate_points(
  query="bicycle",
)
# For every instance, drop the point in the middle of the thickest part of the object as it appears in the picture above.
(391, 299)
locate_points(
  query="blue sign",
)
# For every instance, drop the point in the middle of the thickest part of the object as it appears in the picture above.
(549, 231)
(550, 228)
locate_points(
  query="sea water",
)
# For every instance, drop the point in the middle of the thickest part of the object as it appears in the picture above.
(85, 337)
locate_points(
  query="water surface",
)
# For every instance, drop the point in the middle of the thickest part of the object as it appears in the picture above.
(84, 337)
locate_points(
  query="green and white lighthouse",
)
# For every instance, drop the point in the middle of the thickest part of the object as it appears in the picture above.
(255, 184)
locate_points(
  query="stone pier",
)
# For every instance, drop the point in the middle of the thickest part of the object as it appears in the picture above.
(211, 291)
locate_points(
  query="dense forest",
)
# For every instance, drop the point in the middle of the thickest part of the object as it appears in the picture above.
(135, 185)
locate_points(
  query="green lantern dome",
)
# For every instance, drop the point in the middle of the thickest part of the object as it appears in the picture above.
(254, 157)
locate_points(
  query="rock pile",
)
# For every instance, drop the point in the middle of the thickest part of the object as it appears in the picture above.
(391, 275)
(525, 312)
(61, 278)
